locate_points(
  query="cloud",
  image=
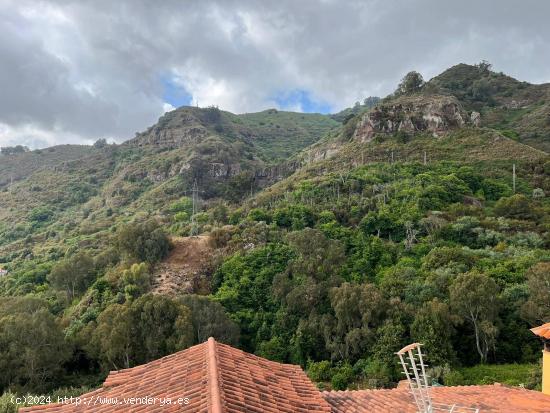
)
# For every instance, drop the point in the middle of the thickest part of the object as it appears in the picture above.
(75, 71)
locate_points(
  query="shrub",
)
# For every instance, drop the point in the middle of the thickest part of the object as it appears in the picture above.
(494, 190)
(259, 214)
(342, 377)
(319, 371)
(181, 216)
(145, 242)
(453, 378)
(517, 206)
(40, 214)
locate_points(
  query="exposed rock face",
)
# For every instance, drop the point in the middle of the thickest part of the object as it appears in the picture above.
(271, 174)
(223, 170)
(199, 146)
(324, 153)
(173, 130)
(435, 114)
(475, 118)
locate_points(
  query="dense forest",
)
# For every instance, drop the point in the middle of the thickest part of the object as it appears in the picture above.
(331, 252)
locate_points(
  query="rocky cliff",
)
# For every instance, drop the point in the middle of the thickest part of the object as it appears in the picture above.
(411, 114)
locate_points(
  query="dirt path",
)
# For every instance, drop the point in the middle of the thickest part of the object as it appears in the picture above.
(185, 267)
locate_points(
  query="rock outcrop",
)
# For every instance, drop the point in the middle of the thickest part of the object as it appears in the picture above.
(475, 118)
(174, 129)
(435, 114)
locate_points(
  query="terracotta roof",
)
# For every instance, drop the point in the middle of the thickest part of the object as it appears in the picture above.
(215, 378)
(542, 331)
(488, 399)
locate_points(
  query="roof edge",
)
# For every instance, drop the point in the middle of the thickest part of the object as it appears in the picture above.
(213, 377)
(406, 390)
(542, 331)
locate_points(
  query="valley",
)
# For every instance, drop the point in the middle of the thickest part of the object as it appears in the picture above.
(269, 230)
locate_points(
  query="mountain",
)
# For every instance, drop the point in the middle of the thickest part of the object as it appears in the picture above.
(19, 166)
(74, 189)
(271, 229)
(359, 107)
(519, 110)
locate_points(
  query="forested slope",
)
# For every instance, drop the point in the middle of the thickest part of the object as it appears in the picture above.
(394, 227)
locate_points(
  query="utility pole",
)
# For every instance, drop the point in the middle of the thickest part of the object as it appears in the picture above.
(194, 192)
(514, 178)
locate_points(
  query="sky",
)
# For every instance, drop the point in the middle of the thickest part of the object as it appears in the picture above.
(74, 71)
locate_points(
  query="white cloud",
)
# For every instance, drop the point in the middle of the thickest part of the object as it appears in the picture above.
(35, 137)
(76, 71)
(167, 107)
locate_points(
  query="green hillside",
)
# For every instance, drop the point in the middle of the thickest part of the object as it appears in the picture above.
(279, 135)
(20, 166)
(330, 245)
(519, 110)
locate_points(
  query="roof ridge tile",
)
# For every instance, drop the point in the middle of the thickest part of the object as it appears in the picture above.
(213, 377)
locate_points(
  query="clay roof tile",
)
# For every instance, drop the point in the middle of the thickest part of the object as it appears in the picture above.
(542, 331)
(217, 378)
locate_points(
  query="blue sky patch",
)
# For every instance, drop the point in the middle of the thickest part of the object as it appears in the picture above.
(174, 93)
(302, 98)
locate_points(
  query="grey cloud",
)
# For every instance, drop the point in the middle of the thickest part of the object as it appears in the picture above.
(80, 70)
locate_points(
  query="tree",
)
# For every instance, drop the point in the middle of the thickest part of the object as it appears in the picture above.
(100, 143)
(13, 150)
(209, 319)
(73, 275)
(474, 298)
(358, 309)
(484, 66)
(140, 331)
(136, 280)
(318, 256)
(411, 83)
(390, 337)
(40, 214)
(433, 327)
(371, 101)
(219, 213)
(32, 345)
(112, 340)
(537, 308)
(145, 242)
(517, 206)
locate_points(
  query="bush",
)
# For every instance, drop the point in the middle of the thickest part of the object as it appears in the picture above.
(7, 404)
(181, 216)
(184, 204)
(342, 378)
(145, 242)
(259, 214)
(40, 214)
(517, 206)
(275, 349)
(453, 378)
(510, 374)
(319, 371)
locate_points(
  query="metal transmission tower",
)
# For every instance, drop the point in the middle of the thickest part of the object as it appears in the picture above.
(194, 197)
(414, 368)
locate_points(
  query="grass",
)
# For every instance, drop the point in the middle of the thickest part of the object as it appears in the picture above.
(510, 374)
(278, 134)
